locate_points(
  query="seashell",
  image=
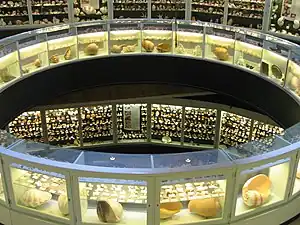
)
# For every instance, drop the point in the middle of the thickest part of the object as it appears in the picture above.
(253, 198)
(34, 198)
(259, 183)
(68, 54)
(298, 174)
(89, 10)
(221, 53)
(117, 48)
(168, 209)
(295, 82)
(37, 63)
(91, 49)
(109, 211)
(280, 21)
(197, 51)
(129, 48)
(296, 24)
(163, 47)
(63, 204)
(208, 207)
(54, 59)
(148, 45)
(180, 49)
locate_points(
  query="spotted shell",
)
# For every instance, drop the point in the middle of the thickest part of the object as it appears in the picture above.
(168, 209)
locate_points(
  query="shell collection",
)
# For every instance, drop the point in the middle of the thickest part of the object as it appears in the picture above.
(208, 10)
(86, 12)
(123, 48)
(37, 63)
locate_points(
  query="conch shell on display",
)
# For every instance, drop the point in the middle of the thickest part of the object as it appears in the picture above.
(148, 45)
(209, 207)
(68, 54)
(34, 198)
(117, 48)
(129, 48)
(168, 209)
(54, 59)
(221, 53)
(259, 187)
(109, 211)
(163, 47)
(91, 49)
(37, 63)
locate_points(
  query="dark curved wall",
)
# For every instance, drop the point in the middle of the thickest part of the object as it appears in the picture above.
(39, 89)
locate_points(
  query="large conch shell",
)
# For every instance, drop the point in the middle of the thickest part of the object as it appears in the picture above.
(168, 209)
(221, 53)
(91, 49)
(259, 187)
(209, 207)
(34, 198)
(163, 47)
(117, 48)
(148, 45)
(109, 211)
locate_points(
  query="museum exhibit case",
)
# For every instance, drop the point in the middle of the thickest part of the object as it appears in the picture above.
(208, 10)
(130, 9)
(86, 10)
(14, 13)
(168, 9)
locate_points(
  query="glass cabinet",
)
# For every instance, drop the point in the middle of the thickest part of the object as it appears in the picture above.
(85, 10)
(168, 9)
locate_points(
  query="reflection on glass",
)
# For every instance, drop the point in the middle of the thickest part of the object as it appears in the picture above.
(293, 74)
(262, 130)
(112, 201)
(292, 134)
(132, 122)
(208, 10)
(192, 200)
(6, 139)
(39, 190)
(166, 123)
(262, 186)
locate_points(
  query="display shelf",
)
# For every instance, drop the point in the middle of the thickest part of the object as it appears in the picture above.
(13, 13)
(62, 126)
(85, 10)
(132, 122)
(235, 129)
(130, 9)
(96, 124)
(27, 126)
(199, 126)
(208, 10)
(262, 130)
(168, 9)
(166, 123)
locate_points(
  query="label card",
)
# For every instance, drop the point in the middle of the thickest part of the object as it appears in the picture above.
(92, 29)
(254, 40)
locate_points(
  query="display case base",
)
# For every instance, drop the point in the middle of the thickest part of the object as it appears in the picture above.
(5, 217)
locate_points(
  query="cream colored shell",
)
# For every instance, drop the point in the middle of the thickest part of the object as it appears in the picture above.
(168, 209)
(63, 204)
(253, 198)
(92, 49)
(109, 211)
(34, 198)
(208, 207)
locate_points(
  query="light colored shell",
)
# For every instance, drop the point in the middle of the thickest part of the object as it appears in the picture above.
(148, 45)
(91, 49)
(109, 211)
(295, 82)
(63, 204)
(129, 48)
(221, 53)
(117, 48)
(34, 198)
(253, 198)
(168, 209)
(209, 207)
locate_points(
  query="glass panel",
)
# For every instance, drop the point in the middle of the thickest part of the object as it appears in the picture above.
(125, 37)
(168, 9)
(205, 157)
(62, 45)
(115, 160)
(49, 12)
(235, 129)
(262, 186)
(130, 9)
(27, 126)
(157, 37)
(192, 200)
(293, 74)
(14, 13)
(39, 190)
(285, 17)
(292, 134)
(219, 44)
(199, 126)
(62, 125)
(189, 39)
(166, 123)
(2, 195)
(246, 13)
(113, 200)
(6, 139)
(262, 130)
(9, 64)
(96, 124)
(90, 10)
(296, 187)
(208, 10)
(92, 40)
(132, 122)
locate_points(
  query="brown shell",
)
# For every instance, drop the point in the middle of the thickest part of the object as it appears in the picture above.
(117, 48)
(163, 47)
(148, 45)
(54, 59)
(91, 49)
(221, 53)
(168, 209)
(68, 54)
(37, 63)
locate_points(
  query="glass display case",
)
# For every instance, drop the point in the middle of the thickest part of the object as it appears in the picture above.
(157, 36)
(125, 37)
(208, 10)
(166, 123)
(296, 187)
(13, 13)
(86, 10)
(27, 126)
(189, 39)
(39, 191)
(2, 194)
(199, 126)
(62, 126)
(106, 200)
(219, 43)
(92, 40)
(235, 129)
(49, 11)
(130, 9)
(132, 122)
(62, 45)
(96, 124)
(293, 75)
(246, 13)
(168, 9)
